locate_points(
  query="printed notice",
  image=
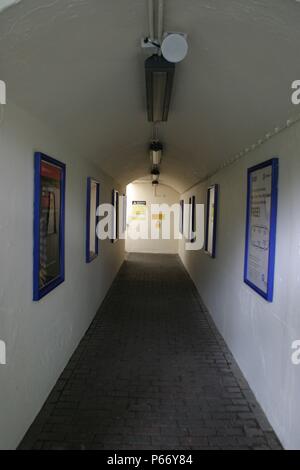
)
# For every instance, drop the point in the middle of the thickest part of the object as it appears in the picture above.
(211, 221)
(259, 228)
(139, 210)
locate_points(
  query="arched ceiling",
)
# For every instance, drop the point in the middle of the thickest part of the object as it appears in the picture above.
(78, 65)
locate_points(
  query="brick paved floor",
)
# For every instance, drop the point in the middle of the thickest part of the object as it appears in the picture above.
(151, 373)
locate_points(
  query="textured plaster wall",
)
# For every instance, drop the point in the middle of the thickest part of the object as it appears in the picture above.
(40, 337)
(259, 334)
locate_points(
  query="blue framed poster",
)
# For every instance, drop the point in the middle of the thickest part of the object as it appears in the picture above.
(211, 220)
(115, 215)
(93, 200)
(262, 200)
(49, 225)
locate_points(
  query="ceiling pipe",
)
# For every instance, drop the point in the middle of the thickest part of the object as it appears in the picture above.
(151, 19)
(160, 21)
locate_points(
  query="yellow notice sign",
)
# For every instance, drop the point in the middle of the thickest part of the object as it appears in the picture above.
(159, 216)
(139, 210)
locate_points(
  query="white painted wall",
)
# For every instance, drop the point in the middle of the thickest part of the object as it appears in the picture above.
(164, 195)
(258, 333)
(41, 337)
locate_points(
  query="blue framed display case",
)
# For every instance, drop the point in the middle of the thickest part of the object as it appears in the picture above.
(48, 225)
(93, 200)
(115, 216)
(262, 199)
(211, 220)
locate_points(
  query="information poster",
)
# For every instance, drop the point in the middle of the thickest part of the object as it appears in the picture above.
(92, 242)
(139, 210)
(115, 222)
(123, 207)
(48, 225)
(211, 220)
(261, 228)
(192, 219)
(181, 220)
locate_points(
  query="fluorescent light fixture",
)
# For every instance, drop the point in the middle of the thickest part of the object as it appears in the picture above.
(159, 84)
(156, 150)
(4, 4)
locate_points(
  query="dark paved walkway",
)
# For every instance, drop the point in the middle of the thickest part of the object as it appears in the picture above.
(151, 373)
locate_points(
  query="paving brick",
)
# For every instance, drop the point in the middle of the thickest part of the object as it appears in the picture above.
(152, 372)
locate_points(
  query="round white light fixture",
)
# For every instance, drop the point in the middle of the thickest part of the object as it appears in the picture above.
(174, 47)
(4, 4)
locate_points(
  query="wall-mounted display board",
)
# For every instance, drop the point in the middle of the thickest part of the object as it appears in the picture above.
(211, 220)
(181, 219)
(93, 200)
(139, 210)
(124, 213)
(261, 228)
(49, 225)
(115, 221)
(192, 219)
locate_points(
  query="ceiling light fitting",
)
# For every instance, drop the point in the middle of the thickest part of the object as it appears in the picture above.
(5, 4)
(155, 171)
(156, 150)
(147, 43)
(175, 47)
(159, 84)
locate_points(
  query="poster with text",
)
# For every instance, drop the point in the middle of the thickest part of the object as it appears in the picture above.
(115, 224)
(139, 210)
(192, 219)
(92, 242)
(211, 220)
(48, 225)
(261, 228)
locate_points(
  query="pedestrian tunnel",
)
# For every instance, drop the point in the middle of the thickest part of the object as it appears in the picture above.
(149, 224)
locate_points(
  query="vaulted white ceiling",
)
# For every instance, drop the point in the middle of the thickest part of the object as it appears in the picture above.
(78, 65)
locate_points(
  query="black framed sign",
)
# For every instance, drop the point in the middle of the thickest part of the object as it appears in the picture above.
(115, 216)
(261, 228)
(124, 213)
(211, 220)
(93, 199)
(181, 217)
(49, 225)
(192, 219)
